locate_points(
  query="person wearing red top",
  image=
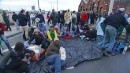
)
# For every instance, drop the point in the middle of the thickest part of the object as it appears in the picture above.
(83, 18)
(3, 37)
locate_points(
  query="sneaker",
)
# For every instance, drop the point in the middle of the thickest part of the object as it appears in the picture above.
(107, 53)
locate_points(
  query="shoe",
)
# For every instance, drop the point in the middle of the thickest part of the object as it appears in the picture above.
(1, 53)
(107, 53)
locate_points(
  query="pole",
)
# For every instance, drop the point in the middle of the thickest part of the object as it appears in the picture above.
(38, 5)
(111, 6)
(57, 5)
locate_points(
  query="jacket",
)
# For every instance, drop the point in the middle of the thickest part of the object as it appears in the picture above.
(22, 19)
(116, 20)
(41, 17)
(38, 39)
(52, 50)
(15, 17)
(84, 16)
(17, 58)
(67, 17)
(54, 17)
(5, 17)
(50, 37)
(2, 28)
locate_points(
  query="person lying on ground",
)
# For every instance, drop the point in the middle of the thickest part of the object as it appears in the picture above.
(19, 59)
(53, 56)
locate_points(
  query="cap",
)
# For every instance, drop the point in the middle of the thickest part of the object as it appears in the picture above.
(36, 30)
(122, 9)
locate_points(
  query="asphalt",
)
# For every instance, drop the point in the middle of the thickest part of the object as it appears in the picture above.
(114, 64)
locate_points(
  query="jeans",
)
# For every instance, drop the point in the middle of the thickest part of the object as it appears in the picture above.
(68, 26)
(3, 38)
(16, 24)
(41, 27)
(110, 37)
(56, 61)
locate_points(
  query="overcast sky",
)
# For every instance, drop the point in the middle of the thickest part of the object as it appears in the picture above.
(44, 4)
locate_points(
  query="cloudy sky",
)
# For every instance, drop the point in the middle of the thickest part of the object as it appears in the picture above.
(44, 4)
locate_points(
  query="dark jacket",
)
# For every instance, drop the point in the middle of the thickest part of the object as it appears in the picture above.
(41, 17)
(2, 27)
(15, 17)
(28, 17)
(52, 50)
(17, 58)
(116, 20)
(38, 39)
(22, 19)
(5, 17)
(54, 17)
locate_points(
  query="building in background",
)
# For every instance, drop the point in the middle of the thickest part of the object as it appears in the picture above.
(102, 6)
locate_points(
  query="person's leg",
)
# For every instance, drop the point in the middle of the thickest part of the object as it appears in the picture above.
(56, 61)
(26, 31)
(106, 38)
(3, 38)
(24, 68)
(113, 34)
(24, 36)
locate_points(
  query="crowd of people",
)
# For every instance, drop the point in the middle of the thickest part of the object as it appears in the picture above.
(67, 25)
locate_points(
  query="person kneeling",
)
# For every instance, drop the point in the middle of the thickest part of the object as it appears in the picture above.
(39, 39)
(53, 56)
(19, 60)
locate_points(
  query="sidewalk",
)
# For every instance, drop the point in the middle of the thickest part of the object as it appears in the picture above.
(13, 32)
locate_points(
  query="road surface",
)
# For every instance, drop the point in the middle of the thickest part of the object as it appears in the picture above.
(114, 64)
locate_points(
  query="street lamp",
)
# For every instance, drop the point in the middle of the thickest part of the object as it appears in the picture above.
(38, 5)
(57, 5)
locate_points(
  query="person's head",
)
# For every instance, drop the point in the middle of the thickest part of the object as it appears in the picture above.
(56, 41)
(23, 11)
(53, 10)
(83, 9)
(68, 10)
(121, 10)
(52, 27)
(27, 12)
(36, 31)
(19, 47)
(73, 11)
(13, 12)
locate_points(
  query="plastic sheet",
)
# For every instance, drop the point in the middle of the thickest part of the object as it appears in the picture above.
(77, 51)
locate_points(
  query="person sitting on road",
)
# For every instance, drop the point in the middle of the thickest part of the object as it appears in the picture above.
(52, 34)
(53, 56)
(39, 39)
(19, 59)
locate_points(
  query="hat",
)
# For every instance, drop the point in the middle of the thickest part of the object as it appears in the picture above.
(121, 9)
(36, 30)
(51, 25)
(56, 39)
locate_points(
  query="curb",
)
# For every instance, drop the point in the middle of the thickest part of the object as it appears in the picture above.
(9, 36)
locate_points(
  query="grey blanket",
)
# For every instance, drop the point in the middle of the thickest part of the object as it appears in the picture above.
(77, 51)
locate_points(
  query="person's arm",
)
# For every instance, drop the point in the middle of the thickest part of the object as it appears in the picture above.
(15, 57)
(31, 53)
(49, 36)
(32, 38)
(43, 19)
(124, 21)
(56, 35)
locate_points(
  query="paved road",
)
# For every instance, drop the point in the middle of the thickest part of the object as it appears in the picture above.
(115, 64)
